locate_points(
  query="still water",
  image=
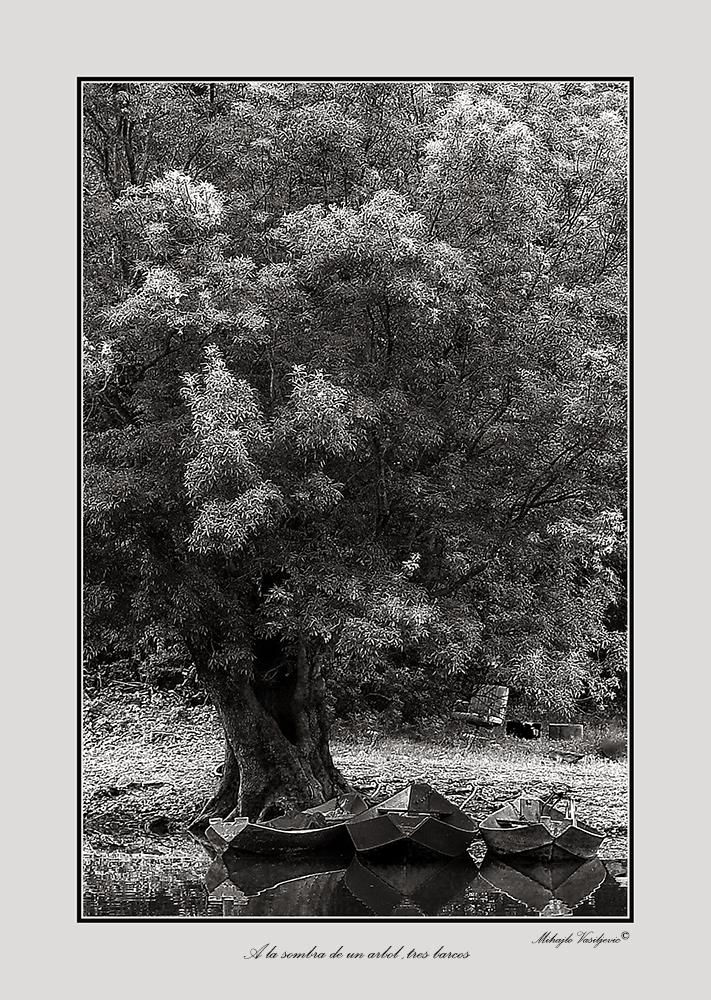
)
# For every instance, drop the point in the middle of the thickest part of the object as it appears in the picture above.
(241, 885)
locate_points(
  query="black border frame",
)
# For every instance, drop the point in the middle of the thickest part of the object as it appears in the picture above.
(596, 921)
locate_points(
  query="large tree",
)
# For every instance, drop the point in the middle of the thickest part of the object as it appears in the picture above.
(355, 394)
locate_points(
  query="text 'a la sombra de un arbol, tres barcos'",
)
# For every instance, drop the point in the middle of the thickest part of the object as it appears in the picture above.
(267, 951)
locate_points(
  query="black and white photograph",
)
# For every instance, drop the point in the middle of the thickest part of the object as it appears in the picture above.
(355, 498)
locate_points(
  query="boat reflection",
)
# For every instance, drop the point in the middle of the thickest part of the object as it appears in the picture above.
(416, 889)
(322, 885)
(298, 886)
(553, 888)
(331, 885)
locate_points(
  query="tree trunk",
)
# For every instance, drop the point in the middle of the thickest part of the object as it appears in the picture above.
(277, 755)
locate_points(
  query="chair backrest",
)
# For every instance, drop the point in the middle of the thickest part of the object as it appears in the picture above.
(490, 702)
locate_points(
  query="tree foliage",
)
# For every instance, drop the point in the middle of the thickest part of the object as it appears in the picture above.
(355, 378)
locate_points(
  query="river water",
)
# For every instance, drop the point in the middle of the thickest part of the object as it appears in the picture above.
(322, 886)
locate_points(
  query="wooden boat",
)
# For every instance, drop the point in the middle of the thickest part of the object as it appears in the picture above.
(415, 822)
(320, 828)
(552, 888)
(534, 828)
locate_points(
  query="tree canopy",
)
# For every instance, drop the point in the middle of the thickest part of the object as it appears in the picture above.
(355, 381)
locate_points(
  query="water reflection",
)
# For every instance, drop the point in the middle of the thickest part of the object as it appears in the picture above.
(299, 886)
(554, 889)
(240, 885)
(410, 889)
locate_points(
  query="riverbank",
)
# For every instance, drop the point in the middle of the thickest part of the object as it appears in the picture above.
(150, 762)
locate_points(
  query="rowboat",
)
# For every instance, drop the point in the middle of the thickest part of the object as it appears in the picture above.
(534, 828)
(552, 888)
(415, 822)
(320, 828)
(402, 890)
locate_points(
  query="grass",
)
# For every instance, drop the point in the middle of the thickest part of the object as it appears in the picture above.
(149, 763)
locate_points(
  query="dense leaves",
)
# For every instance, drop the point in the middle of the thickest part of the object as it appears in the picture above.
(355, 379)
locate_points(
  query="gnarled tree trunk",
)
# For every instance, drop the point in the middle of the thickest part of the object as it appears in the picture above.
(277, 755)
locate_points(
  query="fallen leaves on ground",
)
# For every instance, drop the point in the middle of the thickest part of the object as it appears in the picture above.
(149, 764)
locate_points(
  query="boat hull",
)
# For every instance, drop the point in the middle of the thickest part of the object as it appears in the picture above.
(417, 823)
(543, 849)
(259, 839)
(385, 837)
(308, 830)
